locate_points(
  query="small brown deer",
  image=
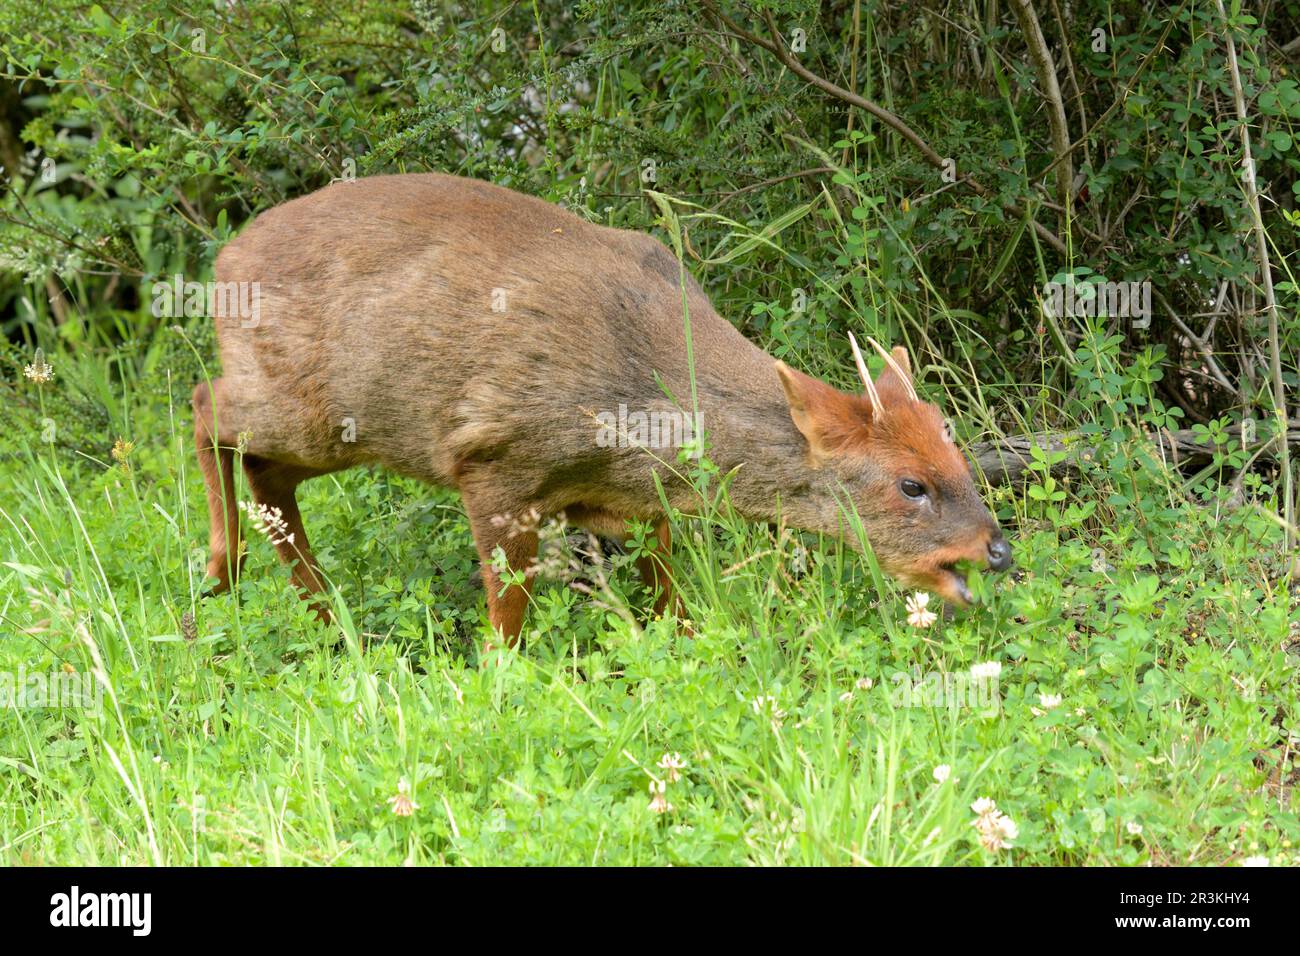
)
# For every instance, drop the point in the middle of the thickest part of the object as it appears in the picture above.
(477, 338)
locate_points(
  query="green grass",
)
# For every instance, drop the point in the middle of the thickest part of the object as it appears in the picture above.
(255, 735)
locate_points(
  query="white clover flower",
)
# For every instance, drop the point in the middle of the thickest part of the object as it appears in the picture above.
(942, 772)
(1007, 828)
(996, 829)
(401, 802)
(672, 764)
(658, 803)
(917, 613)
(862, 683)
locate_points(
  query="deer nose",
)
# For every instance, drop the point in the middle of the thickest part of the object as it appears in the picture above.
(999, 554)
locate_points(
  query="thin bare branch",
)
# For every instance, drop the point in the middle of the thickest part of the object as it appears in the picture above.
(1045, 67)
(1266, 275)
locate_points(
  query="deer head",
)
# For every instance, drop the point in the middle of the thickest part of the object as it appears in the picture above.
(892, 456)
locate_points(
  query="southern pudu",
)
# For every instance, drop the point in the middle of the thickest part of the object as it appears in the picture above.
(471, 336)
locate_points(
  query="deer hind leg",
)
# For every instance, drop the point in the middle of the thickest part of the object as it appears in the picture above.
(654, 572)
(515, 532)
(217, 462)
(273, 486)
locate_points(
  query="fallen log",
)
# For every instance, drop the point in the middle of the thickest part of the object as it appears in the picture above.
(1007, 459)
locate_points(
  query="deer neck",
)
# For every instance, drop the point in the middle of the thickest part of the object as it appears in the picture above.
(754, 443)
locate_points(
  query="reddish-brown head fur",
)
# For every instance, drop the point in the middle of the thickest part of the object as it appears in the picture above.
(893, 456)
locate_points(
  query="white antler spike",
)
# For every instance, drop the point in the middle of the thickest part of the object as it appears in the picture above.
(893, 363)
(877, 409)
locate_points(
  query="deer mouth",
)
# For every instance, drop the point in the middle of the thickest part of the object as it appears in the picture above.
(946, 580)
(952, 585)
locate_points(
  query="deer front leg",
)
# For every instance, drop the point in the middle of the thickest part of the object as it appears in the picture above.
(654, 572)
(515, 533)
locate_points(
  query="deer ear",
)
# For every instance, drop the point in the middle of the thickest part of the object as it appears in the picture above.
(900, 356)
(895, 379)
(827, 418)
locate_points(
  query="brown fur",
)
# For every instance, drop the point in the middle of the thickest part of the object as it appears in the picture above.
(376, 306)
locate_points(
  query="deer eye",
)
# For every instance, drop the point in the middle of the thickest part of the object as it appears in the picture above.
(912, 489)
